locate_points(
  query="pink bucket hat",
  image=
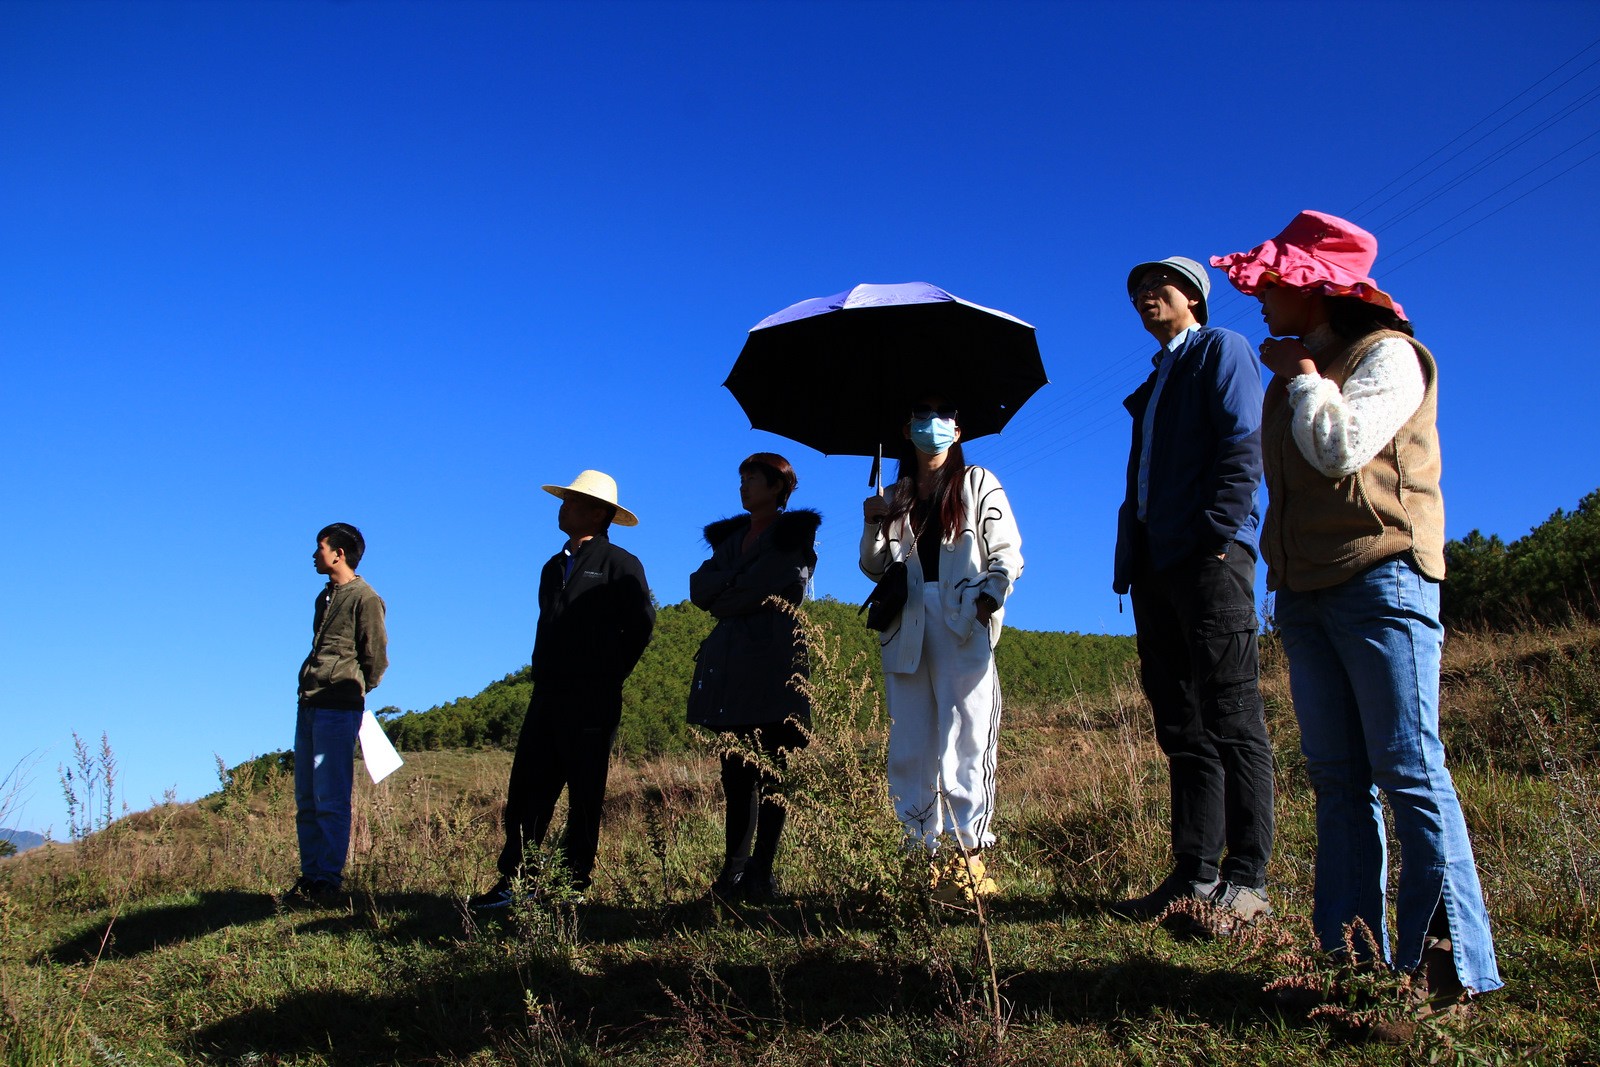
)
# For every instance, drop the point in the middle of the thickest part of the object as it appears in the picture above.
(1314, 253)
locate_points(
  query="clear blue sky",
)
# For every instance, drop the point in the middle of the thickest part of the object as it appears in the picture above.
(268, 266)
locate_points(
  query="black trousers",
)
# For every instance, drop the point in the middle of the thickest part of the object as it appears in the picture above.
(1196, 625)
(559, 748)
(754, 819)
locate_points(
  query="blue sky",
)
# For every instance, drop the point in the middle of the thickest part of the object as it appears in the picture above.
(268, 266)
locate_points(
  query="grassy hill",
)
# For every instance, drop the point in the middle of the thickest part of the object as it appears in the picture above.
(1035, 667)
(160, 940)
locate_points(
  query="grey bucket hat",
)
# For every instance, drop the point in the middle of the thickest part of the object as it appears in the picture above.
(1197, 275)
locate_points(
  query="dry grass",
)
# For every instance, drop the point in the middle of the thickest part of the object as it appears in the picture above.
(159, 940)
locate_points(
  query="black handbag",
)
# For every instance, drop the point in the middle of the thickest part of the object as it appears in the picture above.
(888, 597)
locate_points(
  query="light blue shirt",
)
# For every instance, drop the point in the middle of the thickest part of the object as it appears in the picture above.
(1164, 361)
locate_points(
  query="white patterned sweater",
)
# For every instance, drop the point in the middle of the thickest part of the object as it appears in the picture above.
(1341, 431)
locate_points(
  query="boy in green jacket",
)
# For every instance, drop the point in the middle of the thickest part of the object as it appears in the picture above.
(348, 658)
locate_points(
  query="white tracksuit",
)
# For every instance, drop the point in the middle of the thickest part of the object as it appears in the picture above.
(944, 697)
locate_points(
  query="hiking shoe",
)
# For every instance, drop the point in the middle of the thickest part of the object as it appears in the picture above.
(500, 895)
(314, 893)
(1240, 905)
(962, 880)
(1155, 903)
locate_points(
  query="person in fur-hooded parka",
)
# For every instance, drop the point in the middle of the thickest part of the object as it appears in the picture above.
(744, 678)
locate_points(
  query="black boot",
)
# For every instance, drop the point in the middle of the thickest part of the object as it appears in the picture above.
(758, 885)
(731, 882)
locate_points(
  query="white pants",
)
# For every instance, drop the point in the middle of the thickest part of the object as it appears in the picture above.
(944, 722)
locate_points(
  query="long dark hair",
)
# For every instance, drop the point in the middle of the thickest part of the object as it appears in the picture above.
(1351, 317)
(946, 490)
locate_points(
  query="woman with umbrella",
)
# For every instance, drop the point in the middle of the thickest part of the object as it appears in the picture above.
(952, 528)
(1354, 544)
(745, 669)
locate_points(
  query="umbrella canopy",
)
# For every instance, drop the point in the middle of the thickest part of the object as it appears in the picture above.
(840, 373)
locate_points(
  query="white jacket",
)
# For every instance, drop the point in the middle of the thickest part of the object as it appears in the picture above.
(985, 557)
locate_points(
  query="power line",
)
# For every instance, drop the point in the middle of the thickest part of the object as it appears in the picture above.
(1359, 205)
(1496, 156)
(1499, 209)
(1093, 392)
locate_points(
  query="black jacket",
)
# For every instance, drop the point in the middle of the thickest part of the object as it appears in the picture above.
(743, 669)
(593, 625)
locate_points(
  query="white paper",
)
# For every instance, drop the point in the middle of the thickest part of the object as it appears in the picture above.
(376, 751)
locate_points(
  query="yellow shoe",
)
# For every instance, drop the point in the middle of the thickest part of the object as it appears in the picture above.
(963, 879)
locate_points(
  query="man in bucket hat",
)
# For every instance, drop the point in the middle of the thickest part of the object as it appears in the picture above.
(1186, 552)
(595, 618)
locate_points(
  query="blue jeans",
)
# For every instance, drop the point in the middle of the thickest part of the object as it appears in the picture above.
(1364, 672)
(324, 772)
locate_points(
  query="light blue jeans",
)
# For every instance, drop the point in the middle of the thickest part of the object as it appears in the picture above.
(324, 773)
(1364, 672)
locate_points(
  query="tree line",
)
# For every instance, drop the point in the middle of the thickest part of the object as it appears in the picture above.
(1035, 667)
(1550, 576)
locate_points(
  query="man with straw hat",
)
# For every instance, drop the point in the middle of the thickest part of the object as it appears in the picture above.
(1186, 553)
(595, 618)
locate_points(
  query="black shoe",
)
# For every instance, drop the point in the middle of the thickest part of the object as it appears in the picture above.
(759, 887)
(1154, 903)
(729, 885)
(500, 895)
(314, 893)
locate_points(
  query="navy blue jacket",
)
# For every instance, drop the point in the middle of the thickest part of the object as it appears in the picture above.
(1205, 457)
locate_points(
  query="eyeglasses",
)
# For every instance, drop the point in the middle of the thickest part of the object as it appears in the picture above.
(933, 413)
(1153, 283)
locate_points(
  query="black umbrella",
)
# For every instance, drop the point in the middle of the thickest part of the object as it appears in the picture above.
(840, 373)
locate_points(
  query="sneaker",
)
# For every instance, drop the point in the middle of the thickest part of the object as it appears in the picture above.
(962, 880)
(1240, 905)
(500, 895)
(314, 893)
(1154, 904)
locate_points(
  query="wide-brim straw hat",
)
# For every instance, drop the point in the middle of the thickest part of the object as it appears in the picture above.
(596, 485)
(1316, 252)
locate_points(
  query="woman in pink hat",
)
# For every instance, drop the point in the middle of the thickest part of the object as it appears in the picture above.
(1354, 544)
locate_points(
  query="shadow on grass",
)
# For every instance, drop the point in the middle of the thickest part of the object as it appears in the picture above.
(146, 929)
(461, 1007)
(398, 916)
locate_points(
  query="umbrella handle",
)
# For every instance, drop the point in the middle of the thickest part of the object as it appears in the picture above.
(875, 479)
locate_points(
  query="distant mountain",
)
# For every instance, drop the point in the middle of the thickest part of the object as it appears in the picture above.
(23, 839)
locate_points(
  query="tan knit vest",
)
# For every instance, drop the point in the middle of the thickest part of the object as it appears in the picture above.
(1320, 531)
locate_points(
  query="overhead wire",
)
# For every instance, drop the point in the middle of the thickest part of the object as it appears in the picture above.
(1493, 158)
(1361, 205)
(1093, 393)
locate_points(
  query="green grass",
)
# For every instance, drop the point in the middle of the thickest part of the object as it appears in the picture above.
(160, 940)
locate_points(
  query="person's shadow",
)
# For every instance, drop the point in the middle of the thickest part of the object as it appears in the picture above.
(400, 917)
(151, 926)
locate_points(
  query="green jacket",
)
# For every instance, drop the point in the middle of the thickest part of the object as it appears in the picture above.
(348, 648)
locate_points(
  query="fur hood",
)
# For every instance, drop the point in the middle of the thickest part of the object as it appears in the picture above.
(791, 530)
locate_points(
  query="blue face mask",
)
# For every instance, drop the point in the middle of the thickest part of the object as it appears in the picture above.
(933, 435)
